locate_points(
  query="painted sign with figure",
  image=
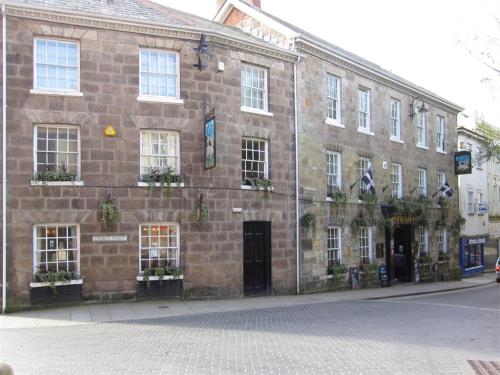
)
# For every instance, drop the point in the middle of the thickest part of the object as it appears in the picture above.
(210, 141)
(463, 162)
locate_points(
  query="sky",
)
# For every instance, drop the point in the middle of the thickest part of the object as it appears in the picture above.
(435, 44)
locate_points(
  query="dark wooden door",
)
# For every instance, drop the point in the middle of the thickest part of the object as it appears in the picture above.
(402, 253)
(256, 257)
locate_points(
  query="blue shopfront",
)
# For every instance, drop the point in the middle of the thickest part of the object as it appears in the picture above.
(472, 255)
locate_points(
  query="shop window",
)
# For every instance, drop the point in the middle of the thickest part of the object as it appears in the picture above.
(57, 248)
(159, 246)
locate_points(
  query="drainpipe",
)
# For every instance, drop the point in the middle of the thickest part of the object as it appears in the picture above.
(297, 186)
(4, 159)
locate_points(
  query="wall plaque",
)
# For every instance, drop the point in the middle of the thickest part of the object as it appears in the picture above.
(110, 238)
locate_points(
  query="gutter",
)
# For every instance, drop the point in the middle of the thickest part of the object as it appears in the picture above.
(4, 159)
(297, 181)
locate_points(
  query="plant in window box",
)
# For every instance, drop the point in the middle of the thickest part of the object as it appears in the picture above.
(109, 211)
(165, 177)
(52, 277)
(53, 287)
(443, 257)
(386, 224)
(60, 173)
(260, 183)
(425, 259)
(458, 225)
(160, 282)
(337, 196)
(337, 270)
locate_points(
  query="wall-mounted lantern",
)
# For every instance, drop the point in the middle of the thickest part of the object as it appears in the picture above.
(421, 107)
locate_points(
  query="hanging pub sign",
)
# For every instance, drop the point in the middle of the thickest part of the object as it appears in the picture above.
(210, 142)
(463, 162)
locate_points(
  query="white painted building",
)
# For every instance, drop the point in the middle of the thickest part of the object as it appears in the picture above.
(473, 201)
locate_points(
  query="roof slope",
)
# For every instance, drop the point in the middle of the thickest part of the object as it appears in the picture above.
(334, 49)
(143, 12)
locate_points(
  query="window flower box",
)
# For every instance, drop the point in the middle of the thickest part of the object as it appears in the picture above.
(58, 292)
(159, 283)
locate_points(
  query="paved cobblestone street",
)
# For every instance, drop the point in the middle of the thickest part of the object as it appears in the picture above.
(433, 334)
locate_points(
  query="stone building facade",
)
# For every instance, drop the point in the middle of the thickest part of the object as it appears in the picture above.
(354, 116)
(107, 100)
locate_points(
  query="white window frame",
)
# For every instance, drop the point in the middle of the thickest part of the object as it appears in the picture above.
(332, 249)
(35, 148)
(440, 134)
(422, 182)
(395, 120)
(333, 156)
(396, 183)
(362, 163)
(55, 91)
(36, 250)
(265, 90)
(266, 161)
(421, 130)
(368, 238)
(470, 203)
(161, 98)
(159, 155)
(333, 95)
(442, 240)
(423, 240)
(364, 112)
(441, 179)
(479, 195)
(149, 259)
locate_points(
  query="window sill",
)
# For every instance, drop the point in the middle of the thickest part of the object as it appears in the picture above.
(158, 278)
(367, 132)
(260, 188)
(333, 122)
(441, 151)
(57, 283)
(422, 147)
(56, 92)
(157, 184)
(256, 111)
(328, 199)
(159, 99)
(397, 140)
(56, 183)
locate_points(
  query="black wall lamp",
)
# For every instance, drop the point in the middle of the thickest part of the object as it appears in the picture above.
(420, 109)
(203, 54)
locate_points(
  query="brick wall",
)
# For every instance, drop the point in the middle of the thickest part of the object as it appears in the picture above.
(211, 252)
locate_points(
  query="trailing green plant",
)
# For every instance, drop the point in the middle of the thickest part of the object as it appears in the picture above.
(60, 173)
(52, 277)
(387, 224)
(164, 176)
(369, 201)
(337, 270)
(200, 211)
(159, 272)
(425, 259)
(308, 221)
(371, 268)
(443, 257)
(458, 225)
(337, 195)
(359, 221)
(109, 211)
(260, 183)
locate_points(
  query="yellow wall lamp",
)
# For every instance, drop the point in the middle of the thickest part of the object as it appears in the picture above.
(109, 131)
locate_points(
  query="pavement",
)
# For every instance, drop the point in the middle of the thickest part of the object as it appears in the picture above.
(121, 312)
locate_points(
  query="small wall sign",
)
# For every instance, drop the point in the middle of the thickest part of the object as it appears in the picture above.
(475, 241)
(463, 162)
(210, 140)
(482, 208)
(110, 238)
(403, 219)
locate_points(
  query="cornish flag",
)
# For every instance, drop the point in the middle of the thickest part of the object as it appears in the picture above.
(446, 188)
(367, 179)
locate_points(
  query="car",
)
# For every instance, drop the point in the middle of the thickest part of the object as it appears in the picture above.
(497, 268)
